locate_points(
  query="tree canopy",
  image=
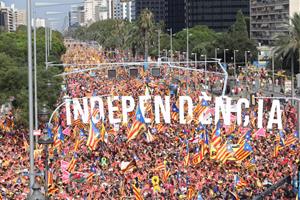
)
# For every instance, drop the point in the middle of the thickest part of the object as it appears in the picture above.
(14, 71)
(288, 44)
(141, 37)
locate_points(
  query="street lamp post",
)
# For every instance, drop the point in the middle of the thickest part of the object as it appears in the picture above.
(205, 68)
(187, 47)
(183, 55)
(46, 140)
(225, 50)
(292, 71)
(166, 52)
(158, 42)
(46, 45)
(171, 42)
(30, 91)
(195, 54)
(35, 65)
(35, 72)
(47, 39)
(246, 58)
(273, 76)
(234, 61)
(178, 55)
(216, 53)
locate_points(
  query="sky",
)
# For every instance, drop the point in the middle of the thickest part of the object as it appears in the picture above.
(41, 12)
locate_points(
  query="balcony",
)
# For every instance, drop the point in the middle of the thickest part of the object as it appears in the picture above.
(268, 4)
(268, 21)
(266, 13)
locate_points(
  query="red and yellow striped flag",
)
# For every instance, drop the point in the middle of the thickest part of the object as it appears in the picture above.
(50, 178)
(90, 177)
(241, 154)
(135, 129)
(166, 175)
(72, 165)
(103, 132)
(222, 153)
(276, 151)
(187, 160)
(53, 190)
(77, 145)
(160, 166)
(94, 137)
(191, 192)
(137, 193)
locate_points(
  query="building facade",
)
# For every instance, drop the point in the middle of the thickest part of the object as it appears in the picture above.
(216, 14)
(270, 18)
(21, 18)
(39, 22)
(157, 7)
(175, 17)
(8, 17)
(76, 16)
(96, 10)
(122, 9)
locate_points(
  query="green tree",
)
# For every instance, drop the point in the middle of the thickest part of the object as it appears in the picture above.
(201, 39)
(146, 26)
(239, 28)
(237, 38)
(13, 70)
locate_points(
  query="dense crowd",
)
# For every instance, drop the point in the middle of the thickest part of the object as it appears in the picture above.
(159, 162)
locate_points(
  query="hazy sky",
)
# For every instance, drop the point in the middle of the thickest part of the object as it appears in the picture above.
(41, 12)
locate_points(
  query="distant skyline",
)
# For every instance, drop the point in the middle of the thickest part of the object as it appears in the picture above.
(41, 12)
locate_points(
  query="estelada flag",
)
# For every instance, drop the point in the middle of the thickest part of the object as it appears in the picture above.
(137, 126)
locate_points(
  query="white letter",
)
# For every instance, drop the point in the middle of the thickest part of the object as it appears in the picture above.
(100, 115)
(225, 110)
(182, 100)
(164, 108)
(205, 118)
(239, 111)
(112, 109)
(78, 110)
(142, 100)
(275, 106)
(125, 109)
(260, 113)
(68, 111)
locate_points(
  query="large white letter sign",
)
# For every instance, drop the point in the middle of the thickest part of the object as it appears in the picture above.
(142, 100)
(260, 113)
(225, 110)
(275, 108)
(78, 110)
(112, 109)
(68, 111)
(127, 109)
(182, 100)
(94, 101)
(164, 108)
(239, 111)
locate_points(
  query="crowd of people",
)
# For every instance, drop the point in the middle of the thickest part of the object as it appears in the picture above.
(162, 161)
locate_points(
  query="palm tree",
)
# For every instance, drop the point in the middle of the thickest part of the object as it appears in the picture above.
(146, 24)
(134, 40)
(287, 45)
